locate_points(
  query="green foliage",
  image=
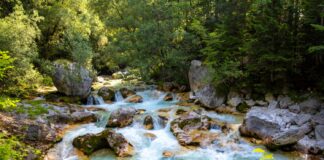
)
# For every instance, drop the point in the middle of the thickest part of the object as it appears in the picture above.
(5, 63)
(8, 104)
(11, 148)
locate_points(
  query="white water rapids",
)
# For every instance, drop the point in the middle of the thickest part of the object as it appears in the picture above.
(229, 147)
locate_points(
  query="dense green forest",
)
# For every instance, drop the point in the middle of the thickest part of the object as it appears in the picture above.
(262, 44)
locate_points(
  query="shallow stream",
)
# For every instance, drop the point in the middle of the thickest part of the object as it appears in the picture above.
(229, 147)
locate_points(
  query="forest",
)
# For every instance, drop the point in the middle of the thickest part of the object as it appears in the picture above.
(252, 47)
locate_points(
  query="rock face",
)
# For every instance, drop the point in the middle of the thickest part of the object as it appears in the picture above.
(135, 99)
(121, 117)
(90, 143)
(107, 94)
(192, 129)
(72, 80)
(200, 85)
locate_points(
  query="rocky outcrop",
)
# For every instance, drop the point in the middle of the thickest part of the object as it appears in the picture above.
(90, 143)
(192, 129)
(121, 117)
(107, 94)
(200, 84)
(135, 99)
(72, 79)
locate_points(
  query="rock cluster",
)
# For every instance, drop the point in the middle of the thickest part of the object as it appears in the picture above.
(285, 124)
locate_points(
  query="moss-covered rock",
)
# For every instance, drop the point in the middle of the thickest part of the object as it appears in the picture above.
(107, 94)
(90, 143)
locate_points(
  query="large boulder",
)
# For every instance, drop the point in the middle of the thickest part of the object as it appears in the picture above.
(264, 122)
(119, 144)
(121, 117)
(107, 94)
(192, 129)
(200, 84)
(90, 143)
(72, 79)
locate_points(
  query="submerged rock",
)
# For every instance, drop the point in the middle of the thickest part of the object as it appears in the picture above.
(135, 99)
(200, 84)
(121, 117)
(72, 79)
(107, 94)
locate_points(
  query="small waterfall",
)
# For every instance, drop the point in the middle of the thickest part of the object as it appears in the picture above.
(118, 96)
(90, 100)
(98, 100)
(95, 100)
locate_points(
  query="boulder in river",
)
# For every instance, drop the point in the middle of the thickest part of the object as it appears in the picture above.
(72, 79)
(148, 122)
(135, 99)
(193, 129)
(200, 84)
(90, 143)
(125, 92)
(168, 97)
(107, 94)
(121, 117)
(119, 144)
